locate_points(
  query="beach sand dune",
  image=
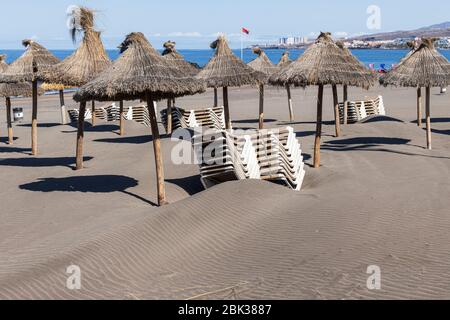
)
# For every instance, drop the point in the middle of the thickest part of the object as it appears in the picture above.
(379, 199)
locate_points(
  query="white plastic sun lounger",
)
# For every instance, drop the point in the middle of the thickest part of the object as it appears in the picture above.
(360, 110)
(186, 119)
(268, 155)
(75, 113)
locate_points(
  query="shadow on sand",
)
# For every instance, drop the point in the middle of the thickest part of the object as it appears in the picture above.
(128, 140)
(98, 128)
(5, 139)
(302, 134)
(15, 150)
(437, 131)
(366, 142)
(253, 121)
(192, 185)
(374, 144)
(68, 162)
(434, 120)
(381, 119)
(41, 125)
(86, 184)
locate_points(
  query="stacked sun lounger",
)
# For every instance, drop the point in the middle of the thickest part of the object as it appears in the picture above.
(225, 163)
(266, 154)
(75, 113)
(360, 110)
(110, 113)
(375, 107)
(209, 118)
(279, 156)
(139, 114)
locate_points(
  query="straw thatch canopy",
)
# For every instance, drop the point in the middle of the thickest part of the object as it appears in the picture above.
(14, 89)
(88, 61)
(22, 89)
(424, 67)
(227, 70)
(284, 60)
(348, 55)
(171, 54)
(3, 64)
(262, 63)
(140, 70)
(323, 63)
(35, 59)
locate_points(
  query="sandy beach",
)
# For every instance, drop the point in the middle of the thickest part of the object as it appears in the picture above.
(380, 198)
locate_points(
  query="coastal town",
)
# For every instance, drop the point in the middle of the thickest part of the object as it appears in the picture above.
(389, 41)
(395, 44)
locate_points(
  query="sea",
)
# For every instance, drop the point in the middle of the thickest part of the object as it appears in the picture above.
(377, 58)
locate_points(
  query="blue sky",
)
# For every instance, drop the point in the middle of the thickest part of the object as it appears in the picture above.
(194, 23)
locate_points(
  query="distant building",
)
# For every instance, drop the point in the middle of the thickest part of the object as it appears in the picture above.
(292, 41)
(443, 43)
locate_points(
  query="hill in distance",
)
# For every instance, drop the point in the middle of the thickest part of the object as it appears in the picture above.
(438, 30)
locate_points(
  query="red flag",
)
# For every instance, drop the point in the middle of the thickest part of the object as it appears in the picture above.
(245, 30)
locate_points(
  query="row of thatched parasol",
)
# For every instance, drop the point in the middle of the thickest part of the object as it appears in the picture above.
(36, 59)
(423, 67)
(142, 73)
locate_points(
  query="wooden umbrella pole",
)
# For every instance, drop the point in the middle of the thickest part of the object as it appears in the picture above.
(216, 98)
(428, 114)
(318, 128)
(261, 107)
(34, 148)
(93, 113)
(226, 108)
(62, 103)
(8, 120)
(337, 119)
(169, 116)
(419, 107)
(80, 136)
(157, 151)
(291, 109)
(121, 120)
(345, 104)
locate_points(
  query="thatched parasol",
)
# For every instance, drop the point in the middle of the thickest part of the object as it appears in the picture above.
(413, 45)
(263, 65)
(86, 62)
(8, 90)
(190, 69)
(351, 59)
(285, 62)
(323, 63)
(36, 59)
(226, 70)
(424, 67)
(3, 64)
(171, 54)
(139, 73)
